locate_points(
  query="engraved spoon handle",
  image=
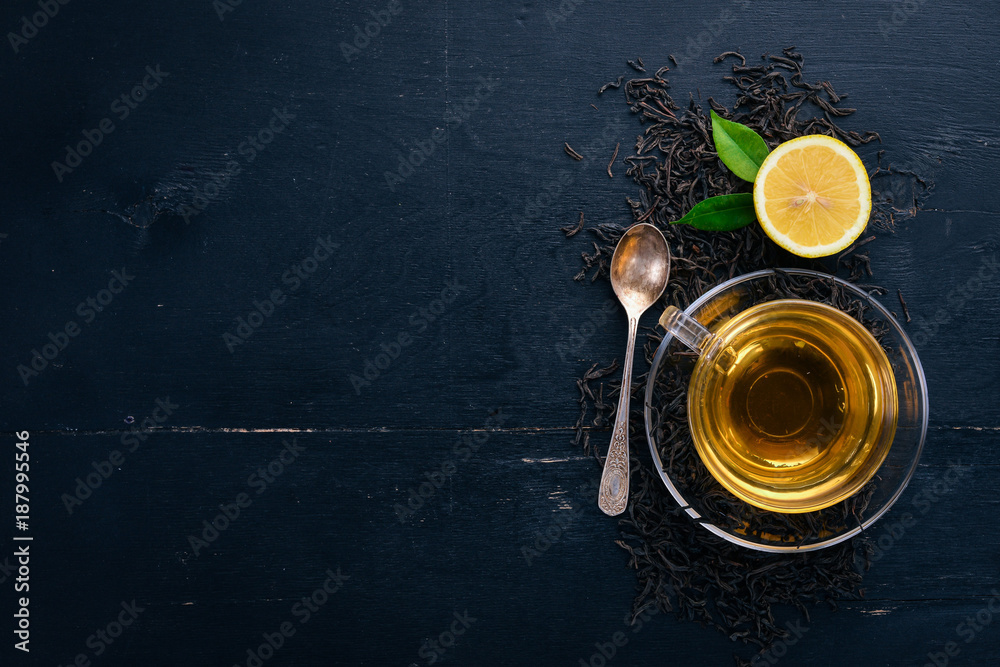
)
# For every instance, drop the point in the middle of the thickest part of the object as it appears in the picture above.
(613, 495)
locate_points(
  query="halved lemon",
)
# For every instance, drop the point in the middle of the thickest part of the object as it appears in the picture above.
(812, 195)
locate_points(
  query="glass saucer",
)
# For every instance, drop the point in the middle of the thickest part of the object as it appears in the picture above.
(716, 509)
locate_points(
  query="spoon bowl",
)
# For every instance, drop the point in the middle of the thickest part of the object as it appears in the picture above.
(639, 267)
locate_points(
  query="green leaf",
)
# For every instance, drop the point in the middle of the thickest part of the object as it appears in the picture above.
(721, 214)
(740, 148)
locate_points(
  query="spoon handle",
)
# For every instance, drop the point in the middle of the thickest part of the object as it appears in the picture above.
(613, 495)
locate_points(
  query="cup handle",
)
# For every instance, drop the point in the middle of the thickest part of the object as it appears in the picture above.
(686, 329)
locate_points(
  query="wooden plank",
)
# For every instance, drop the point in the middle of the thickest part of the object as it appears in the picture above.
(346, 630)
(333, 506)
(193, 282)
(296, 370)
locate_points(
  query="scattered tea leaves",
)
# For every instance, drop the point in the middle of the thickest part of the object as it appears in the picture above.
(679, 565)
(573, 231)
(612, 84)
(902, 302)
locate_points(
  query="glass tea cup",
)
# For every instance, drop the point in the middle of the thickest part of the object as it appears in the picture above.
(792, 405)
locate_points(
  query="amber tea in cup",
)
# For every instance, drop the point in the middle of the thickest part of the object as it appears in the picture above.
(792, 403)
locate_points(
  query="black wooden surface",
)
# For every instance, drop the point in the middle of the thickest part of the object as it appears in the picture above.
(924, 75)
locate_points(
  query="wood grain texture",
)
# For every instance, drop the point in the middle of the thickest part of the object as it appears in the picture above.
(481, 213)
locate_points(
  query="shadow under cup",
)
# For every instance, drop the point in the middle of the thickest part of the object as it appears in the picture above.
(801, 483)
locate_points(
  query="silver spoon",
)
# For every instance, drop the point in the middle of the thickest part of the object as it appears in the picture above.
(639, 271)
